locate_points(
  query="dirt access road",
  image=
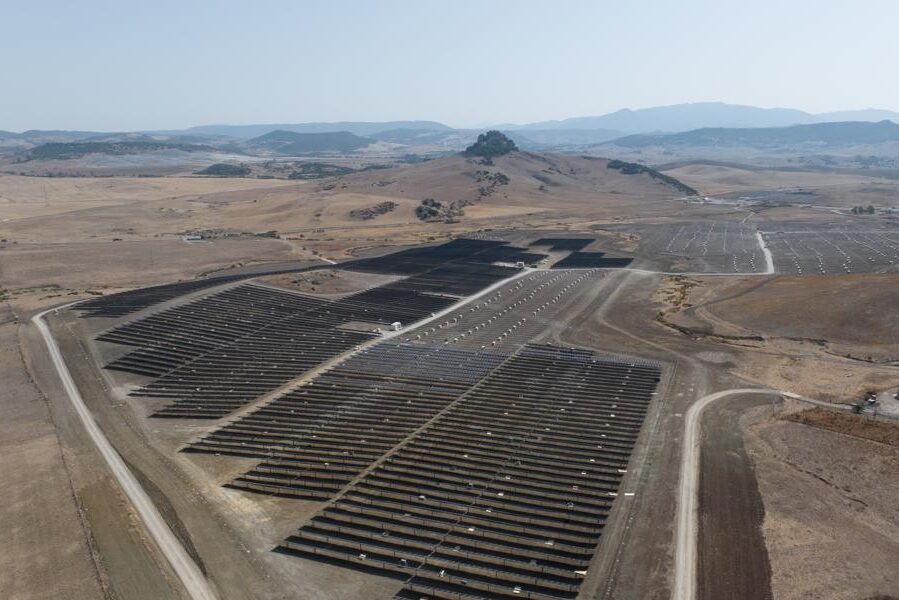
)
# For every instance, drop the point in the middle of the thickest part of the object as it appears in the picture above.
(685, 550)
(686, 530)
(184, 566)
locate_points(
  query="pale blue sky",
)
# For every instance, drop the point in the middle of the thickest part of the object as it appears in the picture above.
(126, 65)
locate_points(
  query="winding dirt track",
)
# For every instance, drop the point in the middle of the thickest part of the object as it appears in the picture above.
(182, 564)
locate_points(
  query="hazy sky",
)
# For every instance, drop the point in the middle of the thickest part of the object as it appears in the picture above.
(126, 65)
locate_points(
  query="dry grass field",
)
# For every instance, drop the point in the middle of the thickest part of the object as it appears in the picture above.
(66, 236)
(840, 189)
(825, 337)
(851, 311)
(42, 525)
(859, 426)
(831, 522)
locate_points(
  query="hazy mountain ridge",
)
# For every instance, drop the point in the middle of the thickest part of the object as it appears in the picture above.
(360, 128)
(686, 117)
(400, 140)
(673, 118)
(829, 134)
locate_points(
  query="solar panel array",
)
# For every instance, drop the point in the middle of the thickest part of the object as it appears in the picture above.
(505, 493)
(213, 355)
(125, 303)
(591, 260)
(420, 259)
(315, 439)
(564, 243)
(460, 278)
(797, 251)
(407, 262)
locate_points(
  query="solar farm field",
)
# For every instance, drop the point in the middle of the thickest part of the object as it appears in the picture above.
(215, 354)
(510, 316)
(829, 251)
(460, 470)
(395, 440)
(701, 247)
(315, 439)
(505, 492)
(456, 454)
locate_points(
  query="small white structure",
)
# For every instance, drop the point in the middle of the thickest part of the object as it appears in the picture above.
(396, 325)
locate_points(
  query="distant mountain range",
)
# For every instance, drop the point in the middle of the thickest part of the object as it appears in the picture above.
(649, 135)
(851, 133)
(685, 117)
(660, 119)
(360, 128)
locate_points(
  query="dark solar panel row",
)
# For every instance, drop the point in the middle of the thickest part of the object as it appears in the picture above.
(213, 355)
(506, 493)
(458, 279)
(315, 439)
(407, 262)
(125, 303)
(421, 259)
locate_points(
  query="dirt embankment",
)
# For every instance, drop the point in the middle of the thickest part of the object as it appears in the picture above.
(831, 521)
(860, 426)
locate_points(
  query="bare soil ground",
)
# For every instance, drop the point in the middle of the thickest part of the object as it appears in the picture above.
(733, 561)
(850, 310)
(831, 520)
(48, 551)
(828, 337)
(824, 188)
(78, 267)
